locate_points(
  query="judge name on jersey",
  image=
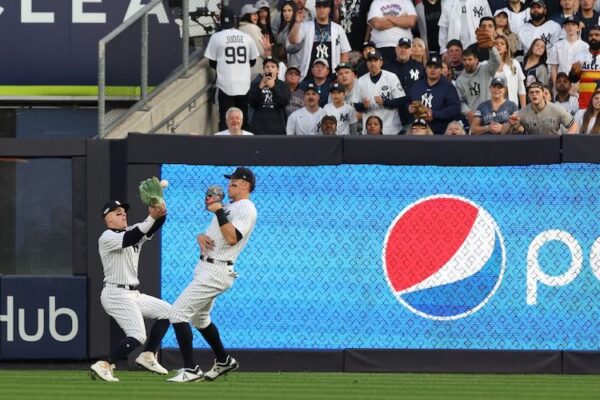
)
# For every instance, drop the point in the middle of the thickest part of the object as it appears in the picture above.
(234, 39)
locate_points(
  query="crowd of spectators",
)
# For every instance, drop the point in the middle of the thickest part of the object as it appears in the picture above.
(387, 67)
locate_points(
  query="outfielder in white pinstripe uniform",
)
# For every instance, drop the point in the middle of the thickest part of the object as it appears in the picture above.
(119, 248)
(220, 246)
(306, 120)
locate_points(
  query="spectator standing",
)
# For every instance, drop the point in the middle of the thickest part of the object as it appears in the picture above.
(540, 117)
(429, 13)
(306, 120)
(391, 20)
(539, 27)
(408, 72)
(492, 116)
(419, 51)
(473, 84)
(511, 71)
(586, 68)
(343, 112)
(534, 63)
(268, 96)
(232, 53)
(234, 118)
(381, 94)
(438, 95)
(292, 80)
(588, 119)
(361, 65)
(562, 54)
(460, 19)
(453, 56)
(350, 14)
(248, 25)
(264, 19)
(321, 39)
(487, 25)
(320, 78)
(567, 9)
(503, 28)
(518, 14)
(588, 15)
(564, 98)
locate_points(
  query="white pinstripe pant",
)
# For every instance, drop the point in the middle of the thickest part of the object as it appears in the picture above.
(195, 303)
(130, 307)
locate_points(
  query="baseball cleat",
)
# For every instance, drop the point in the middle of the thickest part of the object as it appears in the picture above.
(147, 360)
(103, 370)
(219, 369)
(187, 375)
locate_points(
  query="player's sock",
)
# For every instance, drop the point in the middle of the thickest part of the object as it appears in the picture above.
(124, 347)
(211, 335)
(183, 332)
(156, 335)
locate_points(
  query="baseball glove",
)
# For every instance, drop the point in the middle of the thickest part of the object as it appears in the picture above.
(484, 39)
(214, 194)
(151, 192)
(420, 109)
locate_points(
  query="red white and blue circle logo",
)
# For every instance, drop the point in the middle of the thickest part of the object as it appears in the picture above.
(444, 257)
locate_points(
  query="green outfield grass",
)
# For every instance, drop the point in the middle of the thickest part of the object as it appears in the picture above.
(244, 385)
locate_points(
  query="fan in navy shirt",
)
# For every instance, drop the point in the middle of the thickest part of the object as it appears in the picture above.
(439, 95)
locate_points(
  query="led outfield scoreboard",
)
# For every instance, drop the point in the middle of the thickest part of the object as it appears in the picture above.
(416, 257)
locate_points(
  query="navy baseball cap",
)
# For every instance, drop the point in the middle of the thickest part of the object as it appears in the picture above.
(374, 54)
(571, 19)
(368, 44)
(435, 60)
(347, 65)
(311, 86)
(269, 59)
(336, 87)
(228, 18)
(323, 3)
(498, 81)
(538, 2)
(245, 174)
(404, 42)
(112, 206)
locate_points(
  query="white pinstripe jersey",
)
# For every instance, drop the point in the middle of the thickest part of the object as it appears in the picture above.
(242, 214)
(303, 122)
(389, 87)
(345, 116)
(232, 49)
(120, 264)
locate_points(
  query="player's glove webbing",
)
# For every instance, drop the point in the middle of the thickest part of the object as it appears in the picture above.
(151, 192)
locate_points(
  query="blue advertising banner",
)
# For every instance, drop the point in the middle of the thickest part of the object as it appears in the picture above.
(43, 317)
(407, 257)
(55, 42)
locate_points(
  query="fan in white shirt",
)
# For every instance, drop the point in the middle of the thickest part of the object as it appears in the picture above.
(234, 119)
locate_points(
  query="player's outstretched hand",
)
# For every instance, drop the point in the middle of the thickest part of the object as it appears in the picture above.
(205, 242)
(157, 211)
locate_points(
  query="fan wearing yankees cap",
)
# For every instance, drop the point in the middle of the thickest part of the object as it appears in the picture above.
(321, 38)
(232, 53)
(220, 247)
(119, 247)
(380, 93)
(306, 120)
(268, 97)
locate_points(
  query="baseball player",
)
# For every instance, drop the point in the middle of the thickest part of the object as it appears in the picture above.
(119, 247)
(214, 274)
(232, 53)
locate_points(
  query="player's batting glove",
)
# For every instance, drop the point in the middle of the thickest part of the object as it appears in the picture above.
(214, 194)
(151, 192)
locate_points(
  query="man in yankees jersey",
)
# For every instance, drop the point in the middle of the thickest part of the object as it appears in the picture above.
(220, 246)
(539, 27)
(380, 93)
(232, 53)
(306, 120)
(119, 248)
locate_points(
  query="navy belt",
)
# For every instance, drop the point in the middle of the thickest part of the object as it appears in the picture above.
(128, 287)
(212, 260)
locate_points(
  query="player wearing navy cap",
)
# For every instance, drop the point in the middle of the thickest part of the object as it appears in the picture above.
(220, 247)
(119, 248)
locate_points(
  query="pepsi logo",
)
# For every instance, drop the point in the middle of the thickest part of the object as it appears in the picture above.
(444, 257)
